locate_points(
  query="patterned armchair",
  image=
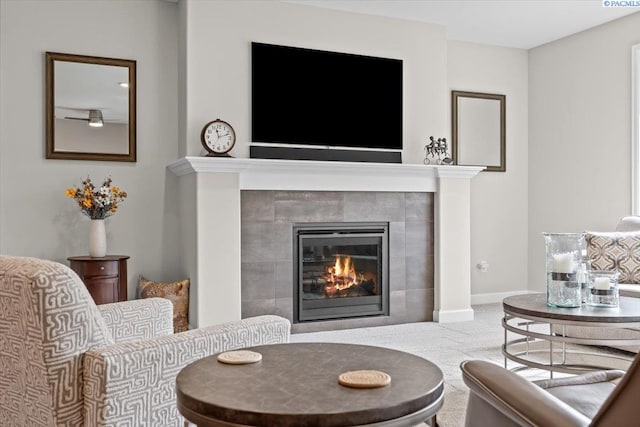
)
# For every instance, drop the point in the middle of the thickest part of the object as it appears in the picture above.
(66, 361)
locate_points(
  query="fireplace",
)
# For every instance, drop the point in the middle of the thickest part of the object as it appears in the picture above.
(340, 271)
(427, 207)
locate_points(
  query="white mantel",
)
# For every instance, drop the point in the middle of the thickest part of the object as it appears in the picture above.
(210, 221)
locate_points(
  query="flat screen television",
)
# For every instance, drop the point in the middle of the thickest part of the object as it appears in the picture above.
(319, 98)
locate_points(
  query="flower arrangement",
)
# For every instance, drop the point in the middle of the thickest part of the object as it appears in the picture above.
(97, 203)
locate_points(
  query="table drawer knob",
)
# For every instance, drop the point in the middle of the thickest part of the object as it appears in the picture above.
(102, 268)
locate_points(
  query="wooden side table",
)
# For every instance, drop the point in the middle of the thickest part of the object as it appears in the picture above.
(105, 278)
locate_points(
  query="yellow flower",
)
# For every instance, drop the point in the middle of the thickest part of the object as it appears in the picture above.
(96, 202)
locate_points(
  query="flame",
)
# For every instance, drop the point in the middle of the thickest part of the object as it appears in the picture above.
(341, 276)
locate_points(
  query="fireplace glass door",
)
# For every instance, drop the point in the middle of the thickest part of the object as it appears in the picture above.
(341, 271)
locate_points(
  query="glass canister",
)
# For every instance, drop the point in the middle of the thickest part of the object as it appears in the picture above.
(564, 258)
(603, 288)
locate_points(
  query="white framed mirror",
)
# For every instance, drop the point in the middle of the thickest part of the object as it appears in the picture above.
(478, 130)
(90, 108)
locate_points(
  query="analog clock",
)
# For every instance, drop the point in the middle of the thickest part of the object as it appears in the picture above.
(218, 138)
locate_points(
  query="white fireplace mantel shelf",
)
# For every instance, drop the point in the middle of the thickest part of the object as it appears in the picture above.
(210, 222)
(306, 175)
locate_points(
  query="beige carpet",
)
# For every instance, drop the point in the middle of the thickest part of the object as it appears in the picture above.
(446, 345)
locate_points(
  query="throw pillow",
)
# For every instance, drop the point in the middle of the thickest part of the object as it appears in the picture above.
(176, 292)
(618, 251)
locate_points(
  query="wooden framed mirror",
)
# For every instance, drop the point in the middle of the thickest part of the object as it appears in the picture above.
(90, 108)
(478, 130)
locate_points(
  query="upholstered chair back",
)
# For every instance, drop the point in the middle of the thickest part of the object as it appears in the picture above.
(48, 321)
(629, 223)
(621, 407)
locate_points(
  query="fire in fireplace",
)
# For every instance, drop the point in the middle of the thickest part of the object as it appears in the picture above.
(342, 280)
(341, 270)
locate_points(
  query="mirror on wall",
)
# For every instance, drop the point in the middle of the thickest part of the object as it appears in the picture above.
(90, 108)
(478, 130)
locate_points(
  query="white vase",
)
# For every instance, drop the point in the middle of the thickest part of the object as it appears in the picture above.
(97, 239)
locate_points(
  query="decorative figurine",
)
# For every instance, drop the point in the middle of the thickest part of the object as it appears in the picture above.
(438, 151)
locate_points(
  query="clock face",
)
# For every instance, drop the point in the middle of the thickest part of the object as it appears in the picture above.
(218, 137)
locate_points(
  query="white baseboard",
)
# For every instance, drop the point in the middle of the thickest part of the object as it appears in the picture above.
(449, 316)
(489, 298)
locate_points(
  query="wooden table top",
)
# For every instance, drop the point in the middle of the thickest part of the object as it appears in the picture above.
(297, 385)
(536, 305)
(104, 258)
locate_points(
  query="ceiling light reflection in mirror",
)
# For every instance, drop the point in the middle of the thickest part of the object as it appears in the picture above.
(91, 108)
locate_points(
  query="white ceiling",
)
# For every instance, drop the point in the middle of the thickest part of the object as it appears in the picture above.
(511, 23)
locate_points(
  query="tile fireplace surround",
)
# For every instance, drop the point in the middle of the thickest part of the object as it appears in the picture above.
(267, 239)
(210, 222)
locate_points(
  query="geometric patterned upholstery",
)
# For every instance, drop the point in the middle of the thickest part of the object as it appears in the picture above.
(138, 319)
(47, 322)
(127, 378)
(60, 365)
(617, 251)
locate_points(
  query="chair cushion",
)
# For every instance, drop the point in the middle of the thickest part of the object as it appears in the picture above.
(618, 251)
(176, 292)
(585, 393)
(629, 290)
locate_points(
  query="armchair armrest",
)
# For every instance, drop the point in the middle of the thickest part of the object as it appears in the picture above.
(518, 399)
(133, 383)
(140, 319)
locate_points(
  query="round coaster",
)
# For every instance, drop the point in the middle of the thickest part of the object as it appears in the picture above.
(364, 379)
(239, 357)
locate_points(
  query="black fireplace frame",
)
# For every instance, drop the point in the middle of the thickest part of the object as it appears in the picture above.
(340, 308)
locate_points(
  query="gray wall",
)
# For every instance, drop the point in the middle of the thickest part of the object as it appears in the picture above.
(36, 219)
(579, 134)
(498, 199)
(432, 67)
(222, 88)
(578, 137)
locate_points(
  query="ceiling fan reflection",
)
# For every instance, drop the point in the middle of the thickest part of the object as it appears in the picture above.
(95, 118)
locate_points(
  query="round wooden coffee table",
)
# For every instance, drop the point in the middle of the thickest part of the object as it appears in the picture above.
(529, 317)
(297, 385)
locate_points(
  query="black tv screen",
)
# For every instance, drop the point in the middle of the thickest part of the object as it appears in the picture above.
(313, 97)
